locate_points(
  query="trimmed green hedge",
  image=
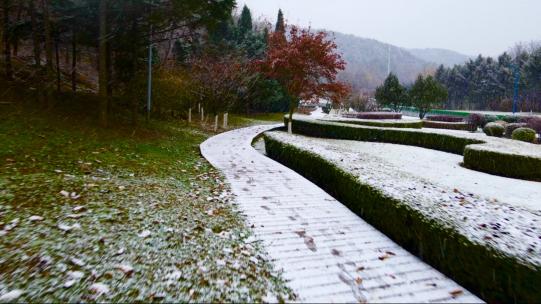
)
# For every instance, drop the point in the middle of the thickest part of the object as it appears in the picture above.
(434, 141)
(416, 124)
(520, 166)
(485, 160)
(492, 275)
(462, 126)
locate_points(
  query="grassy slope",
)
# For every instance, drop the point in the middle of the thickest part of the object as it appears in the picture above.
(131, 182)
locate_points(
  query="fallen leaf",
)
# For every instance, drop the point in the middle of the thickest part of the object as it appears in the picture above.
(455, 293)
(358, 281)
(99, 288)
(126, 269)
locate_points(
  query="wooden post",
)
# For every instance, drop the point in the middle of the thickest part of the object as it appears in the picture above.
(226, 116)
(190, 115)
(215, 123)
(202, 114)
(289, 127)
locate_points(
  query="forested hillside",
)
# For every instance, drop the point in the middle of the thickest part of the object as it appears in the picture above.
(440, 56)
(367, 61)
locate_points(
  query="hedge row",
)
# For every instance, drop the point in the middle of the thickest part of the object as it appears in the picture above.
(374, 115)
(521, 166)
(485, 160)
(446, 125)
(493, 276)
(445, 118)
(434, 141)
(414, 124)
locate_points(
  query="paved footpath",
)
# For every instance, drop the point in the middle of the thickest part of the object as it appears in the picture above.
(326, 252)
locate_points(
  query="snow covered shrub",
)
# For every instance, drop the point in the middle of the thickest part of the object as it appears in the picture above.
(494, 129)
(474, 121)
(524, 134)
(512, 127)
(489, 118)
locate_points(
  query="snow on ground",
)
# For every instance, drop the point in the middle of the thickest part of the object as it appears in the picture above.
(444, 169)
(488, 217)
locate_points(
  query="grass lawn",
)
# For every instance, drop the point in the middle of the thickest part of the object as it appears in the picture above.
(121, 214)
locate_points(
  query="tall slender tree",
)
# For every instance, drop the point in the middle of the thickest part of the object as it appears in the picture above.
(102, 59)
(245, 21)
(280, 23)
(6, 33)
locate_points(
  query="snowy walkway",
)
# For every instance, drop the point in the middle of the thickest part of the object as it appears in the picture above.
(326, 252)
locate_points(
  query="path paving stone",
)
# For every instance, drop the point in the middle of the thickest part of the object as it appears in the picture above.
(326, 252)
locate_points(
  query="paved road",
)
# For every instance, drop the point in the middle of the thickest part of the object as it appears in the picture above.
(326, 252)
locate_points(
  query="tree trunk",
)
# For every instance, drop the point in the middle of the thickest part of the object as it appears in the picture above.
(226, 118)
(102, 60)
(35, 34)
(57, 60)
(15, 38)
(6, 35)
(48, 51)
(216, 123)
(190, 115)
(74, 62)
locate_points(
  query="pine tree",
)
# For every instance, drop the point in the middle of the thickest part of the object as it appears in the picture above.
(280, 24)
(245, 21)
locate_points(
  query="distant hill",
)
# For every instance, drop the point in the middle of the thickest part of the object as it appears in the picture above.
(367, 61)
(440, 56)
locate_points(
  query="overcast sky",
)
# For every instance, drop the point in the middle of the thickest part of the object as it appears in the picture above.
(471, 27)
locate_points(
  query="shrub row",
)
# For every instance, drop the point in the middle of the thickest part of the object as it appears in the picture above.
(446, 125)
(412, 124)
(375, 115)
(445, 118)
(493, 276)
(442, 142)
(485, 160)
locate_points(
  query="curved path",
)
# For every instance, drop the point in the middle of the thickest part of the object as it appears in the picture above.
(326, 252)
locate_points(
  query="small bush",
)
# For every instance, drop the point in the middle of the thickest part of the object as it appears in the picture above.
(474, 121)
(494, 129)
(502, 123)
(512, 127)
(489, 118)
(445, 118)
(524, 134)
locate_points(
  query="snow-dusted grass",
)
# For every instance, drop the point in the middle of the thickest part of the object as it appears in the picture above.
(488, 217)
(120, 215)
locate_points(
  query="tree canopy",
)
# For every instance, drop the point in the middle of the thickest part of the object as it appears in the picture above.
(426, 93)
(392, 94)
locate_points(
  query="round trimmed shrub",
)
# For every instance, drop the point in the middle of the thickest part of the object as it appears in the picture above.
(489, 118)
(512, 127)
(524, 134)
(494, 129)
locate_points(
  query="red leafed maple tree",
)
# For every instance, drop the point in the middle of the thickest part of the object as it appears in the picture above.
(305, 64)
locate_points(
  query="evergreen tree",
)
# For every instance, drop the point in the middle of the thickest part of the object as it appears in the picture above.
(426, 93)
(392, 94)
(280, 23)
(245, 21)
